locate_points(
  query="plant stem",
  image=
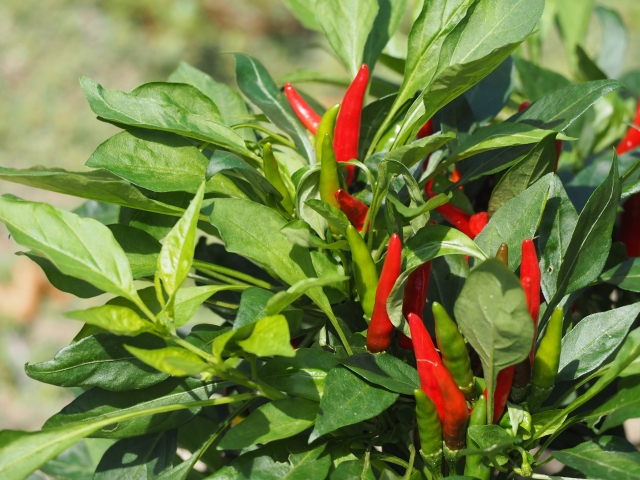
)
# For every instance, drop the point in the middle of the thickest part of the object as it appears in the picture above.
(262, 129)
(201, 265)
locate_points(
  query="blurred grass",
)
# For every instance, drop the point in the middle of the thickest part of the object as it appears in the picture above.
(44, 119)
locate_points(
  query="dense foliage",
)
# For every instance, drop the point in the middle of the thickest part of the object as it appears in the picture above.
(283, 383)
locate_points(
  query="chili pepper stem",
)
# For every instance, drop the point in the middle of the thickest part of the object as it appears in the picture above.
(433, 464)
(455, 465)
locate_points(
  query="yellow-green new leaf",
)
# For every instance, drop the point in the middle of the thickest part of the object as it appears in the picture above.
(270, 337)
(114, 318)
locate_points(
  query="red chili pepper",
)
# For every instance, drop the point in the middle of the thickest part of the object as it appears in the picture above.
(309, 118)
(530, 268)
(354, 209)
(426, 130)
(477, 222)
(501, 395)
(456, 217)
(630, 225)
(524, 106)
(380, 328)
(439, 386)
(632, 138)
(415, 297)
(347, 131)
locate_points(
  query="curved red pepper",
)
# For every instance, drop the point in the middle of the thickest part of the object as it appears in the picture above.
(501, 395)
(456, 217)
(309, 118)
(380, 328)
(632, 138)
(426, 130)
(415, 297)
(354, 209)
(477, 222)
(347, 131)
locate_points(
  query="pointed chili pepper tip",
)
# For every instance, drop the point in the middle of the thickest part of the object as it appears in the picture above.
(477, 222)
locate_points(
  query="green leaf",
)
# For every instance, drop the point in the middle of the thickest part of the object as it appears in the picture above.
(308, 189)
(347, 26)
(140, 457)
(626, 275)
(283, 299)
(253, 307)
(113, 318)
(536, 81)
(372, 117)
(607, 457)
(487, 436)
(622, 406)
(353, 469)
(385, 370)
(411, 154)
(98, 185)
(304, 11)
(335, 217)
(80, 247)
(387, 21)
(140, 248)
(593, 340)
(233, 165)
(517, 220)
(188, 300)
(256, 83)
(105, 213)
(573, 19)
(492, 314)
(614, 44)
(175, 361)
(100, 360)
(270, 337)
(274, 421)
(302, 375)
(299, 233)
(541, 425)
(77, 462)
(176, 256)
(413, 212)
(348, 400)
(587, 67)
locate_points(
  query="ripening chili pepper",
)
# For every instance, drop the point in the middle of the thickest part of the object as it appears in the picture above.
(474, 465)
(307, 115)
(547, 360)
(439, 386)
(456, 217)
(354, 209)
(272, 174)
(380, 328)
(426, 130)
(503, 254)
(477, 222)
(501, 394)
(329, 179)
(630, 225)
(347, 131)
(414, 299)
(456, 175)
(453, 349)
(430, 432)
(364, 271)
(327, 125)
(632, 138)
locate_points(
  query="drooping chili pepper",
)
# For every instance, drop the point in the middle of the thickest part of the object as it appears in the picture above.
(456, 217)
(501, 394)
(426, 130)
(632, 138)
(347, 131)
(453, 349)
(380, 330)
(477, 222)
(474, 466)
(307, 115)
(329, 179)
(503, 254)
(327, 125)
(430, 432)
(529, 267)
(354, 209)
(630, 225)
(364, 271)
(547, 360)
(272, 174)
(438, 384)
(456, 175)
(414, 299)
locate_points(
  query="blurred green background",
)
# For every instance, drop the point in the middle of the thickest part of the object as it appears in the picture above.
(44, 120)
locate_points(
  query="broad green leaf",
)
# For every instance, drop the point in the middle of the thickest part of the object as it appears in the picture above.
(413, 212)
(517, 220)
(625, 275)
(347, 400)
(100, 360)
(232, 165)
(253, 307)
(335, 217)
(170, 107)
(302, 375)
(188, 300)
(614, 44)
(353, 469)
(490, 95)
(175, 361)
(541, 425)
(587, 68)
(140, 248)
(487, 436)
(622, 406)
(573, 19)
(80, 247)
(387, 21)
(372, 117)
(274, 421)
(347, 24)
(536, 81)
(411, 154)
(113, 318)
(593, 340)
(77, 462)
(607, 457)
(176, 256)
(283, 299)
(270, 336)
(492, 314)
(538, 162)
(105, 213)
(308, 189)
(138, 458)
(384, 370)
(299, 233)
(304, 11)
(256, 83)
(447, 278)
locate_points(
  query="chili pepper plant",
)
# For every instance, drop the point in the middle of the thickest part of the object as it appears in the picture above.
(422, 281)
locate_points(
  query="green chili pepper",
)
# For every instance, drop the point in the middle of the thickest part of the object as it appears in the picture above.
(326, 125)
(364, 271)
(474, 466)
(453, 348)
(272, 174)
(329, 179)
(547, 360)
(430, 432)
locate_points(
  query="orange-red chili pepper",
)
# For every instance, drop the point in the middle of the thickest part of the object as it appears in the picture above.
(307, 115)
(456, 217)
(501, 395)
(477, 222)
(415, 297)
(354, 209)
(426, 130)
